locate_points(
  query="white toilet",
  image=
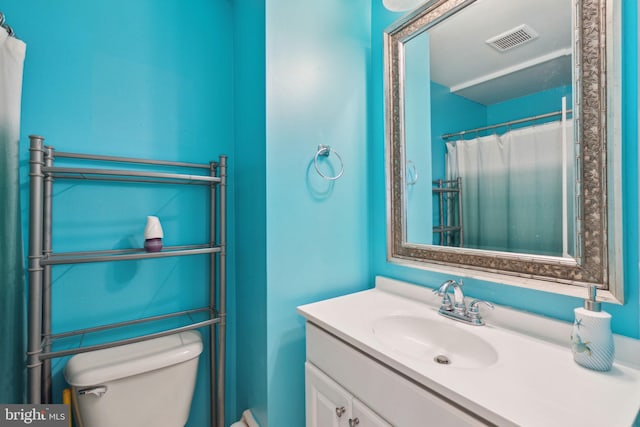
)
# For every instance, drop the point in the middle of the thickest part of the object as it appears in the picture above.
(149, 383)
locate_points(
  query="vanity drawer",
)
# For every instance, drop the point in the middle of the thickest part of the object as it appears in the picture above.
(388, 393)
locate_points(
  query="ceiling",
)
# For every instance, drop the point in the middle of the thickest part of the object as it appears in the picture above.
(463, 61)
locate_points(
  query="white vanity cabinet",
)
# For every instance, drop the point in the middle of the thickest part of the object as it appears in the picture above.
(347, 388)
(330, 405)
(351, 339)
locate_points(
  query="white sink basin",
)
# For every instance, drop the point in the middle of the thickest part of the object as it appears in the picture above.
(434, 341)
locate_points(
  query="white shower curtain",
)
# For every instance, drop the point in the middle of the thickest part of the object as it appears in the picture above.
(512, 189)
(12, 323)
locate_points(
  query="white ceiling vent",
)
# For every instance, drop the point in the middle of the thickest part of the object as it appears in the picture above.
(512, 38)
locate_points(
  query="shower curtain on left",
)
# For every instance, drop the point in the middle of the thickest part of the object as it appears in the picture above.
(12, 317)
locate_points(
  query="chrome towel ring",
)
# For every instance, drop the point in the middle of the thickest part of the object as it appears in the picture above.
(325, 150)
(412, 171)
(3, 24)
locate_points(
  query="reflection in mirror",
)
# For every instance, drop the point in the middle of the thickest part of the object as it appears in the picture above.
(496, 132)
(487, 106)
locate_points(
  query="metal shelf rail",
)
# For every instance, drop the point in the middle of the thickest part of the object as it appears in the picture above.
(42, 174)
(449, 225)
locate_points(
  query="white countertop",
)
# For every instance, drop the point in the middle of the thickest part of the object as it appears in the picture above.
(534, 382)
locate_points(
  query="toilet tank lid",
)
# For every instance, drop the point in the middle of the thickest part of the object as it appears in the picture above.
(100, 366)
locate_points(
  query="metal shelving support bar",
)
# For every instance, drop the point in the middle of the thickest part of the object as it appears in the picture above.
(36, 210)
(446, 190)
(47, 248)
(447, 228)
(130, 160)
(445, 181)
(128, 180)
(53, 337)
(213, 343)
(130, 250)
(222, 277)
(87, 173)
(88, 257)
(69, 352)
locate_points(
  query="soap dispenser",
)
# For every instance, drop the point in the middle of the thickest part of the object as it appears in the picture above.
(591, 339)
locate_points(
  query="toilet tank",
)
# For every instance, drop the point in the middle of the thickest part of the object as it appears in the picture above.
(149, 383)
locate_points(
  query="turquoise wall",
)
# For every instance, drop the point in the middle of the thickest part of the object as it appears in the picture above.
(530, 105)
(451, 113)
(625, 318)
(317, 231)
(163, 81)
(141, 79)
(251, 208)
(300, 81)
(417, 132)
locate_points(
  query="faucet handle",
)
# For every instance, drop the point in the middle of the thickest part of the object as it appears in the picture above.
(473, 307)
(445, 304)
(474, 312)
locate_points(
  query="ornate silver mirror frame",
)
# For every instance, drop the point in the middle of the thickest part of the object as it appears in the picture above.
(599, 258)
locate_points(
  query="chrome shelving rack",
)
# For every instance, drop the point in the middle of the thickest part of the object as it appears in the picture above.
(450, 221)
(42, 174)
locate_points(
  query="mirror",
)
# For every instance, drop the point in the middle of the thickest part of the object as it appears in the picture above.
(495, 135)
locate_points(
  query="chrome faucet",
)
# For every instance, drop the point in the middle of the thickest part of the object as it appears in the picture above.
(457, 305)
(456, 309)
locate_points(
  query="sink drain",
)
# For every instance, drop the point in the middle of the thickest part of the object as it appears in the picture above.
(442, 359)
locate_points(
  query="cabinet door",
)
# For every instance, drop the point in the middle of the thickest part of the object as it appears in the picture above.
(363, 416)
(327, 404)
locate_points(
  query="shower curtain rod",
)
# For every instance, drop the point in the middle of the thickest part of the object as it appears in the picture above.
(512, 122)
(6, 26)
